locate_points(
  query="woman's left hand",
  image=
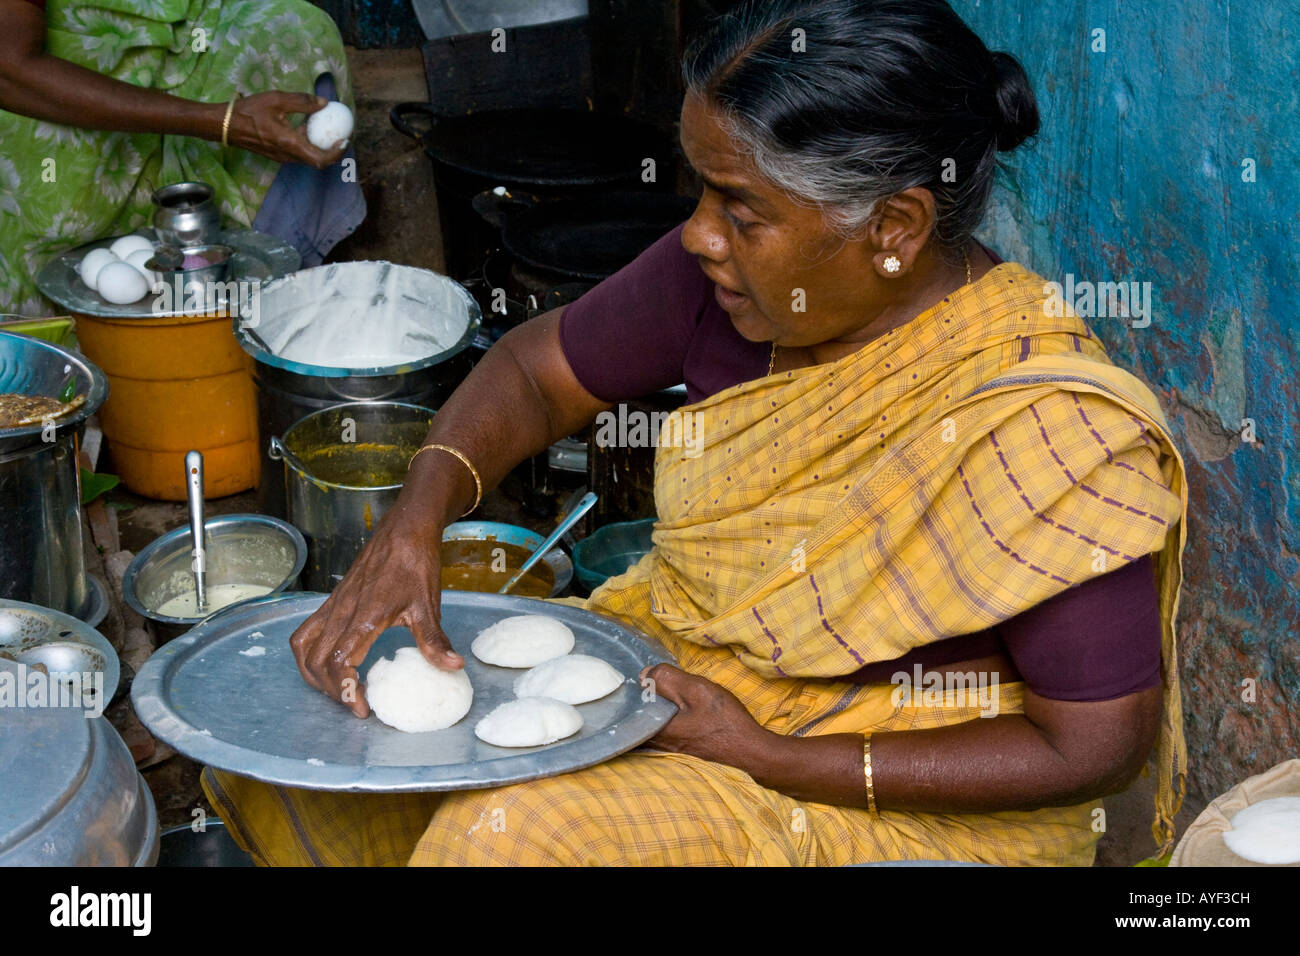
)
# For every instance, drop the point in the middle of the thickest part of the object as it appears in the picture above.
(711, 723)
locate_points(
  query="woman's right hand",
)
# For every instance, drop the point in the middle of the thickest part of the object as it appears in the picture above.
(396, 580)
(260, 123)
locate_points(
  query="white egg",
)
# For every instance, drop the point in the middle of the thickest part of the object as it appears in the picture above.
(328, 126)
(92, 262)
(121, 283)
(126, 245)
(138, 259)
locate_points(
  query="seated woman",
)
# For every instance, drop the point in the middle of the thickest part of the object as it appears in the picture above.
(910, 469)
(102, 103)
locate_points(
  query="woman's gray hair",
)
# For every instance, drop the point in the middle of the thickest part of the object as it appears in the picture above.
(845, 103)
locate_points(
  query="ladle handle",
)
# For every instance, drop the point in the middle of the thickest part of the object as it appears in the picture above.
(580, 509)
(194, 491)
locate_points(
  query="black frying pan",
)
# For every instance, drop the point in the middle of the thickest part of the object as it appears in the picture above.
(593, 237)
(536, 147)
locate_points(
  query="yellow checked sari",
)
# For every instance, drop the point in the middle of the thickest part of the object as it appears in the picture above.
(947, 476)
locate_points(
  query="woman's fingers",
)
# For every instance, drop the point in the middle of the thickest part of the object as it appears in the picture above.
(432, 640)
(266, 129)
(667, 681)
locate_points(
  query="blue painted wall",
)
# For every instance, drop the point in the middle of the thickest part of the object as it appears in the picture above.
(1138, 175)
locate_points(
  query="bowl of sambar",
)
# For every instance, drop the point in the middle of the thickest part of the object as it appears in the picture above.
(483, 555)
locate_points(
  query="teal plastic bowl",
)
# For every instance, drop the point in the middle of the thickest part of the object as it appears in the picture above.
(611, 550)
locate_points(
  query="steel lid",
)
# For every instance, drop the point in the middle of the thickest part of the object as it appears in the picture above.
(70, 793)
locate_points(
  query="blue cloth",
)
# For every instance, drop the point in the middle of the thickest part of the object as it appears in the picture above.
(313, 209)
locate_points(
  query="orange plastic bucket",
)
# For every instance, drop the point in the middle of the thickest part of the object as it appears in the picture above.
(175, 384)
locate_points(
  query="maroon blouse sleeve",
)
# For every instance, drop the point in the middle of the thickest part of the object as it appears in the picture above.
(1095, 641)
(630, 335)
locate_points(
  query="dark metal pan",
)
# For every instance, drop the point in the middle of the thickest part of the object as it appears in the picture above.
(535, 147)
(593, 237)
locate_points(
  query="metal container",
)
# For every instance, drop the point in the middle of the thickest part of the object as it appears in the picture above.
(32, 635)
(70, 794)
(186, 215)
(559, 563)
(41, 557)
(343, 469)
(213, 845)
(241, 549)
(352, 332)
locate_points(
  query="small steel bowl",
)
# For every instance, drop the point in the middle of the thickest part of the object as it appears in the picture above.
(169, 263)
(558, 561)
(241, 549)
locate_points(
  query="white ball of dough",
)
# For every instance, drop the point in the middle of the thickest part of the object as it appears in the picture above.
(91, 263)
(524, 640)
(126, 245)
(573, 679)
(1267, 832)
(529, 722)
(121, 283)
(412, 695)
(329, 125)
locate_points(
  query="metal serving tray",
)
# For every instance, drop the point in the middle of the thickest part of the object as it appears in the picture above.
(256, 716)
(257, 257)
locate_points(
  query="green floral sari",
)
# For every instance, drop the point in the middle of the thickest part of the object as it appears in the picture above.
(61, 186)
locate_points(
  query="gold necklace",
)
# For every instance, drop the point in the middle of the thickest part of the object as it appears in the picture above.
(771, 362)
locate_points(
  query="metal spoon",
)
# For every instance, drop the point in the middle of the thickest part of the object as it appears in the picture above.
(569, 521)
(194, 489)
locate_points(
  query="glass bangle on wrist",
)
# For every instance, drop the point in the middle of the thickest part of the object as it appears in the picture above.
(478, 482)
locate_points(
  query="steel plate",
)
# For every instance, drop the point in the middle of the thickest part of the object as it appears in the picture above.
(257, 257)
(256, 716)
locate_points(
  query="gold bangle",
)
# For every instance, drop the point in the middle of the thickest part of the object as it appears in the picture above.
(225, 123)
(478, 482)
(866, 770)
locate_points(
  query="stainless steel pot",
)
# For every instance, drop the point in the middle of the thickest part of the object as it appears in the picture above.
(69, 794)
(241, 549)
(343, 469)
(308, 324)
(41, 557)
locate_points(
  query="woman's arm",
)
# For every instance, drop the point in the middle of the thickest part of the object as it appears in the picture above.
(35, 84)
(1058, 753)
(520, 398)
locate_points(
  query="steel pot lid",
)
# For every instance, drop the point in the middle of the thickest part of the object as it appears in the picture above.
(369, 318)
(70, 794)
(32, 366)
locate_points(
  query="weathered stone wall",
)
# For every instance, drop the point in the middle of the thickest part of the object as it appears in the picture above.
(1170, 156)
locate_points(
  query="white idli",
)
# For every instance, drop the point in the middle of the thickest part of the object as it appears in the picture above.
(573, 679)
(529, 722)
(413, 696)
(524, 640)
(1267, 832)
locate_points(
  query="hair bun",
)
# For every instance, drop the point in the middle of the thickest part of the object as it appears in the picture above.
(1017, 108)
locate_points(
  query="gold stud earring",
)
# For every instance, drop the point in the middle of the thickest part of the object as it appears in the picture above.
(892, 264)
